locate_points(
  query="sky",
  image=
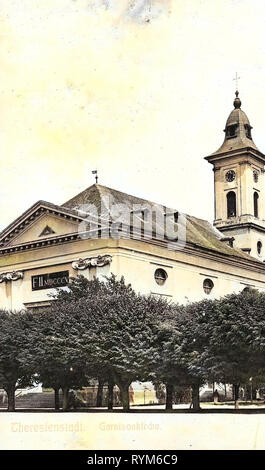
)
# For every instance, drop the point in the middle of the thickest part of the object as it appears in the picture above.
(138, 89)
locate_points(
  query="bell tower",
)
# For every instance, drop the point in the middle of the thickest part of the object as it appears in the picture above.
(239, 185)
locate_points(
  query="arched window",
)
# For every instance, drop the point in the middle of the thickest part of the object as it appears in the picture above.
(259, 247)
(231, 204)
(231, 131)
(256, 204)
(248, 131)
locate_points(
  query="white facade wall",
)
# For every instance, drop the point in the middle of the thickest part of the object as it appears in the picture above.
(135, 260)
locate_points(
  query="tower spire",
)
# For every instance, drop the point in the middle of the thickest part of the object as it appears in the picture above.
(236, 80)
(239, 182)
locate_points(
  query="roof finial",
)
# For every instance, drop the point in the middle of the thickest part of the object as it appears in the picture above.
(237, 101)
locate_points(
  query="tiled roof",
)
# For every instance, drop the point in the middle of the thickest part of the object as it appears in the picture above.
(199, 232)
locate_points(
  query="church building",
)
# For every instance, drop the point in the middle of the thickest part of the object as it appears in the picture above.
(49, 243)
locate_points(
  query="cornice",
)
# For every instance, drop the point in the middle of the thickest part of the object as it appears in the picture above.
(235, 153)
(46, 242)
(238, 225)
(188, 248)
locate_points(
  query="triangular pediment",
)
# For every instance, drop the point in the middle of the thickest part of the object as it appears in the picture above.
(41, 229)
(41, 221)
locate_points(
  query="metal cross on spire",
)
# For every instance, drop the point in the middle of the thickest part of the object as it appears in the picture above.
(236, 80)
(95, 172)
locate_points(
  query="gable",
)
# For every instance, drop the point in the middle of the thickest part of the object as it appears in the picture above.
(46, 226)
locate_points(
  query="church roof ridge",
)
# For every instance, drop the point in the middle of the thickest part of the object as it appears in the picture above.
(102, 190)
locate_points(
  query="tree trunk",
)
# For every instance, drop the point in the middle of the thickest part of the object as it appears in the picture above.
(196, 397)
(65, 398)
(110, 395)
(169, 398)
(11, 397)
(56, 399)
(236, 395)
(100, 393)
(124, 393)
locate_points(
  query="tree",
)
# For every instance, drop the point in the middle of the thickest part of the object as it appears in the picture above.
(256, 302)
(121, 328)
(54, 354)
(128, 336)
(115, 333)
(15, 372)
(180, 342)
(164, 363)
(79, 287)
(195, 341)
(106, 326)
(233, 325)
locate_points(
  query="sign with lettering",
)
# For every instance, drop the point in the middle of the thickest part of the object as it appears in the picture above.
(50, 281)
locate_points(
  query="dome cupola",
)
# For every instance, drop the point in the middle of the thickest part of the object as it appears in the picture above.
(237, 130)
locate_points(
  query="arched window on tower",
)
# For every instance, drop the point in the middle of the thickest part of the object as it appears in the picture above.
(256, 204)
(231, 131)
(231, 204)
(248, 131)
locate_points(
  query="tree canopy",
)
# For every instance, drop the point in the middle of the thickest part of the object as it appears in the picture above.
(107, 331)
(15, 371)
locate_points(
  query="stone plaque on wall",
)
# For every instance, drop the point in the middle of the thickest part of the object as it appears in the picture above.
(50, 281)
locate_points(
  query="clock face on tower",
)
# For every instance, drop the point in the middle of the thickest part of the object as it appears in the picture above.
(230, 176)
